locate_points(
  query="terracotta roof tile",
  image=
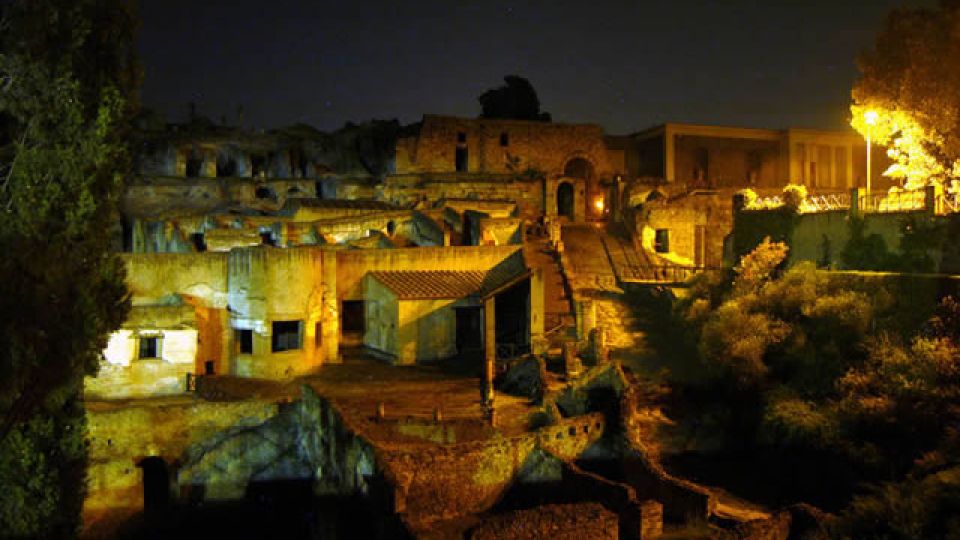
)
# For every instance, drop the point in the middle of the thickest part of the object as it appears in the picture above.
(437, 284)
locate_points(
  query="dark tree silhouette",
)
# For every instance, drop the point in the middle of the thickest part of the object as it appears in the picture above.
(516, 100)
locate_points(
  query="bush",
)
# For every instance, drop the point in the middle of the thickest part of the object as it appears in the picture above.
(794, 195)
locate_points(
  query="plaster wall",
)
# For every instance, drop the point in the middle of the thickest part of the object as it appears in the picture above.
(382, 317)
(124, 375)
(268, 285)
(426, 331)
(153, 276)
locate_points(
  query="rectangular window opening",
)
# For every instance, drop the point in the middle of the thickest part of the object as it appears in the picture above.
(287, 336)
(504, 139)
(661, 242)
(149, 347)
(461, 137)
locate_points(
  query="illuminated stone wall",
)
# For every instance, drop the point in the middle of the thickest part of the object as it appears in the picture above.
(427, 330)
(122, 435)
(270, 285)
(501, 231)
(411, 188)
(546, 146)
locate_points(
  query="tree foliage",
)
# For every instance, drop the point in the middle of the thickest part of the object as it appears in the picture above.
(516, 100)
(795, 362)
(69, 78)
(909, 79)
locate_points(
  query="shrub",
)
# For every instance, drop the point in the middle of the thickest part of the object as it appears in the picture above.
(794, 195)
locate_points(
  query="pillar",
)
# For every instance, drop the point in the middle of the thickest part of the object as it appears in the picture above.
(586, 312)
(538, 344)
(850, 178)
(330, 317)
(668, 154)
(489, 353)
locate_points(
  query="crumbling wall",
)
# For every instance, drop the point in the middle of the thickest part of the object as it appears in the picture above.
(413, 188)
(501, 146)
(557, 522)
(123, 434)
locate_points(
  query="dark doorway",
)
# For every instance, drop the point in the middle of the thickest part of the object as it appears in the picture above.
(565, 199)
(226, 167)
(199, 242)
(352, 322)
(156, 484)
(513, 320)
(194, 165)
(258, 166)
(461, 159)
(469, 329)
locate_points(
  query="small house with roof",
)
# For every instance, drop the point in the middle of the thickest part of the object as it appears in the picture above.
(429, 315)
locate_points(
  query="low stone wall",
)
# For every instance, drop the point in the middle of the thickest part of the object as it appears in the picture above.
(569, 437)
(555, 521)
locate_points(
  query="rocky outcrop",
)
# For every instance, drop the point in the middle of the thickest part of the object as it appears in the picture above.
(525, 378)
(306, 440)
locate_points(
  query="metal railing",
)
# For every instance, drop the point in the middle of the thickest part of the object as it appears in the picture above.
(823, 203)
(894, 201)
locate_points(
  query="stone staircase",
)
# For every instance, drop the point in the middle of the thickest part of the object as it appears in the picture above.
(558, 316)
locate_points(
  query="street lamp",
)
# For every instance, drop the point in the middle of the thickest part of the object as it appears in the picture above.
(870, 118)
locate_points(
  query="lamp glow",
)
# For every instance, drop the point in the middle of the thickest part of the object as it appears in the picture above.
(598, 204)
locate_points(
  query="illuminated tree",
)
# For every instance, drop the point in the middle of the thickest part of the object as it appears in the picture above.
(68, 80)
(910, 80)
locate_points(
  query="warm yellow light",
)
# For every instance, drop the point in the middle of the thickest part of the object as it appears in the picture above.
(870, 117)
(598, 204)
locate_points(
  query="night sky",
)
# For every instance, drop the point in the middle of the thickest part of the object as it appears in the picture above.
(624, 65)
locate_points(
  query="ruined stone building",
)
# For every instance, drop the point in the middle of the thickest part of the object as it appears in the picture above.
(260, 261)
(547, 168)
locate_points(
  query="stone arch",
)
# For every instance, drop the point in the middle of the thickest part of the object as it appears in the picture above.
(583, 167)
(579, 166)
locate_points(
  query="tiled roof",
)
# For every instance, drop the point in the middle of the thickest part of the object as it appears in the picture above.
(437, 284)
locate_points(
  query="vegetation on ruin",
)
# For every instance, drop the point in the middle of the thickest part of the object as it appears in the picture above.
(69, 77)
(821, 372)
(909, 80)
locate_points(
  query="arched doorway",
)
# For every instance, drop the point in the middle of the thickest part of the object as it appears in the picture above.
(582, 169)
(565, 200)
(156, 484)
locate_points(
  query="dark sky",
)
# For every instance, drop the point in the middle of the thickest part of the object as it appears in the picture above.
(624, 65)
